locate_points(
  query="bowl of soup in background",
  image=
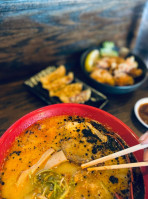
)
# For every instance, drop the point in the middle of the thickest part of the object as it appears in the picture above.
(92, 113)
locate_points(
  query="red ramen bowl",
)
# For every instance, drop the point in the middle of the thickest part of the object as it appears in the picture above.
(73, 109)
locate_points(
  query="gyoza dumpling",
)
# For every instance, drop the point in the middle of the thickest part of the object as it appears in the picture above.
(59, 83)
(68, 90)
(58, 73)
(81, 97)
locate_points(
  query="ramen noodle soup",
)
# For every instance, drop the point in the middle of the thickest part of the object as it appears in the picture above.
(45, 161)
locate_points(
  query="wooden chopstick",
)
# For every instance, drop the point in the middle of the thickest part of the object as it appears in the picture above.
(120, 166)
(115, 155)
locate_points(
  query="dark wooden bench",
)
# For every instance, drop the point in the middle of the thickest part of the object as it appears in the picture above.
(38, 33)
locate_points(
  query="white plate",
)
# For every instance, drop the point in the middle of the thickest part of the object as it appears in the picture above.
(137, 105)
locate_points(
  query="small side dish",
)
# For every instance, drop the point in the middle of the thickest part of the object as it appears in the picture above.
(57, 86)
(107, 66)
(61, 85)
(141, 111)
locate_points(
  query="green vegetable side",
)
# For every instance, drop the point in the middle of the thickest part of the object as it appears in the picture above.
(108, 49)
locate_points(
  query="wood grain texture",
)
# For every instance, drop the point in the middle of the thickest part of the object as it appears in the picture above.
(35, 34)
(15, 102)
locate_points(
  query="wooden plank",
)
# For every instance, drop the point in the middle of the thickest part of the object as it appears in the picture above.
(34, 34)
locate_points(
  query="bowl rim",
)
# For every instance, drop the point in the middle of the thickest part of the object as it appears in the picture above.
(136, 108)
(137, 84)
(72, 109)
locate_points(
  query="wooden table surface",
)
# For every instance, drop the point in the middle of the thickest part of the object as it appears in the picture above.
(16, 101)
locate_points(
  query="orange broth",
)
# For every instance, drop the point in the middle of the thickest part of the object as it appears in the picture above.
(72, 135)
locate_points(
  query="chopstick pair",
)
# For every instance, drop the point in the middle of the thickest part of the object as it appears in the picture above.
(115, 155)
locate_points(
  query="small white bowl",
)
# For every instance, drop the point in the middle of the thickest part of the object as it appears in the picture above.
(136, 108)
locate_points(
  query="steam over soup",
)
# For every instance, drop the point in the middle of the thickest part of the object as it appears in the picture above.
(45, 163)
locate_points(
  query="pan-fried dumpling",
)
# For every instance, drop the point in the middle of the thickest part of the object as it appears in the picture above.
(58, 73)
(82, 97)
(68, 90)
(59, 83)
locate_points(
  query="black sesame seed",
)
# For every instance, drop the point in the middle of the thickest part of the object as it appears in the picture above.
(113, 179)
(2, 183)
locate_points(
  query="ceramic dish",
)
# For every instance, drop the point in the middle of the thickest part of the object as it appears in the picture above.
(72, 109)
(136, 109)
(115, 89)
(33, 84)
